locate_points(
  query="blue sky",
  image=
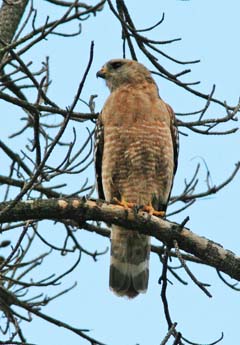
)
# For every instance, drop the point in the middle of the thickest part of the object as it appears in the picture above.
(209, 32)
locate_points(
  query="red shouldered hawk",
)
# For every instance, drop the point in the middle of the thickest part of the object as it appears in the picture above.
(136, 149)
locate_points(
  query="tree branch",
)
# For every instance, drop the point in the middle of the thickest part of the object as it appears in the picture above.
(80, 210)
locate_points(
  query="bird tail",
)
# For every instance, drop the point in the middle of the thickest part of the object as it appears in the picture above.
(129, 262)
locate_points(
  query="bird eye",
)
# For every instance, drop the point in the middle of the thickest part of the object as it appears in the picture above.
(116, 64)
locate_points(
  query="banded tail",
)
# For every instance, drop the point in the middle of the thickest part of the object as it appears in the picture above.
(129, 262)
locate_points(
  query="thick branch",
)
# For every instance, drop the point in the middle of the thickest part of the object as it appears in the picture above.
(81, 210)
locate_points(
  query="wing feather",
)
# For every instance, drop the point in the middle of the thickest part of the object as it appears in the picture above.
(175, 137)
(98, 155)
(156, 201)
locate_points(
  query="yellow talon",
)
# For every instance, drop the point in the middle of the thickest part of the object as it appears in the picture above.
(147, 208)
(124, 203)
(152, 211)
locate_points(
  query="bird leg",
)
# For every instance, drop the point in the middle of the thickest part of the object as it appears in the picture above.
(151, 210)
(124, 203)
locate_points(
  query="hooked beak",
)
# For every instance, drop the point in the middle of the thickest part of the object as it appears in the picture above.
(101, 73)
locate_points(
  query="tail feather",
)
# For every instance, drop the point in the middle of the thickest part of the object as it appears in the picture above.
(129, 262)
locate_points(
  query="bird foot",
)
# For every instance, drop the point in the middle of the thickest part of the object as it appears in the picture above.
(146, 208)
(152, 211)
(124, 203)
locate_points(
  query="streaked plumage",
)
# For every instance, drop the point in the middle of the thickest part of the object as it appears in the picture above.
(136, 149)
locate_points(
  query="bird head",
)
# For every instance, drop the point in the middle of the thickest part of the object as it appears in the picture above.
(118, 72)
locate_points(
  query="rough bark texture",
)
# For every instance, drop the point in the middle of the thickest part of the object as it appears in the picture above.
(81, 210)
(10, 15)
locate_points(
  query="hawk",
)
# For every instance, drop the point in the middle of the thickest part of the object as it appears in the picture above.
(136, 150)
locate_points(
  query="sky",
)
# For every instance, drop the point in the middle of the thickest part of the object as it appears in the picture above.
(209, 32)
